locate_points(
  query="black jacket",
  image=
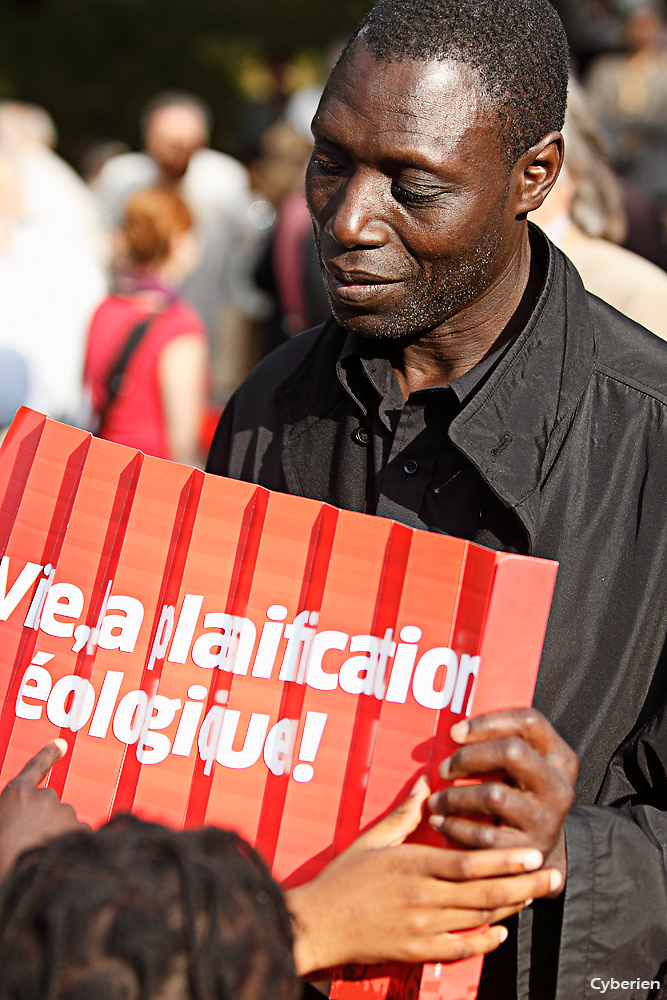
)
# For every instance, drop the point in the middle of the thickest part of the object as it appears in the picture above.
(570, 433)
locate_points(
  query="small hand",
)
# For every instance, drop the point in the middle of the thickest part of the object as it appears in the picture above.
(529, 773)
(31, 816)
(382, 900)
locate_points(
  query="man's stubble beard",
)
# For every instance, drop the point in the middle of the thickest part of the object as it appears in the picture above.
(424, 308)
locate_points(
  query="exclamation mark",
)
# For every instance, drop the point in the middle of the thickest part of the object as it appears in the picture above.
(310, 744)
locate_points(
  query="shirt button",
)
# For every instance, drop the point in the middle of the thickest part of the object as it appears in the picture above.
(410, 467)
(361, 435)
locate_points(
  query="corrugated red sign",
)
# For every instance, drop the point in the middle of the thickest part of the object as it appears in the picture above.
(214, 652)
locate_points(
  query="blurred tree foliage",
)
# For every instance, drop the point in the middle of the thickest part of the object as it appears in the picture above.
(93, 63)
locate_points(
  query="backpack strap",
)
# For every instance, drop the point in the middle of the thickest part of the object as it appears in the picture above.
(116, 376)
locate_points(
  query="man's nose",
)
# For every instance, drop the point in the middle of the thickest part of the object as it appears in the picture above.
(357, 218)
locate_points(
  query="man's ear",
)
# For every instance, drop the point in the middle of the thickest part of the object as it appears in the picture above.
(536, 173)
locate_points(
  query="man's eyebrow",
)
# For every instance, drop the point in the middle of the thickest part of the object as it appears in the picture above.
(391, 160)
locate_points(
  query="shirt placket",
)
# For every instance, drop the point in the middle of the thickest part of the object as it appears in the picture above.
(409, 469)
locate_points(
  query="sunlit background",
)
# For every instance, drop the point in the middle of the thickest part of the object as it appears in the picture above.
(75, 80)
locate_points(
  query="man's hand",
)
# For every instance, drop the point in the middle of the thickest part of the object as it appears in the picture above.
(382, 900)
(528, 774)
(31, 816)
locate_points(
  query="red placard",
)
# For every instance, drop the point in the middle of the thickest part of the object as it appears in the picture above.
(214, 652)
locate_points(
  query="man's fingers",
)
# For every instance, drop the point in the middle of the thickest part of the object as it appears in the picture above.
(527, 723)
(394, 828)
(40, 765)
(506, 755)
(479, 836)
(494, 799)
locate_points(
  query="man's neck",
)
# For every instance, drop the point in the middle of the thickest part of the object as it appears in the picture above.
(445, 354)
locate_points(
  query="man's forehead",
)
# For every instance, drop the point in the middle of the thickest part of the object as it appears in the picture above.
(436, 100)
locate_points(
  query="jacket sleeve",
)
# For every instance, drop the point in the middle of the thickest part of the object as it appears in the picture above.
(615, 910)
(220, 452)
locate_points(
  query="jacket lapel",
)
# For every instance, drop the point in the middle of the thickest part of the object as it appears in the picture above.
(513, 427)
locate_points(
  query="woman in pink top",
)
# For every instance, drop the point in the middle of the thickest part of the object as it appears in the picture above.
(160, 402)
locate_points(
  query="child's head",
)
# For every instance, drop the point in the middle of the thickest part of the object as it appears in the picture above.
(137, 911)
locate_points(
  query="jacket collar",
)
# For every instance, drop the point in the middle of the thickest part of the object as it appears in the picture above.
(512, 427)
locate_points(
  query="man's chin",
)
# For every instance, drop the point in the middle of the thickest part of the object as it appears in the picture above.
(375, 326)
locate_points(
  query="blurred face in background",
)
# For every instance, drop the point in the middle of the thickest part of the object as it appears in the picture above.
(643, 29)
(173, 135)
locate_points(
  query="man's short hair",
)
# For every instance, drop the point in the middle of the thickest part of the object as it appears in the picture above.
(518, 48)
(175, 99)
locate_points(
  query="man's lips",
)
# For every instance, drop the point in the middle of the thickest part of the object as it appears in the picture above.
(358, 286)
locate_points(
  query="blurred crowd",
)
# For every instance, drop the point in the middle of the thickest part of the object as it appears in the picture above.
(136, 294)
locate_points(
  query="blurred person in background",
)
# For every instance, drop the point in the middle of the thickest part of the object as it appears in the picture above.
(49, 288)
(288, 269)
(628, 94)
(584, 216)
(592, 26)
(53, 194)
(13, 386)
(176, 131)
(96, 155)
(147, 359)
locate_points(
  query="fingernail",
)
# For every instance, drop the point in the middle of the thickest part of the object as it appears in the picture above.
(532, 860)
(433, 800)
(459, 731)
(527, 903)
(62, 745)
(445, 767)
(419, 785)
(503, 932)
(555, 880)
(436, 821)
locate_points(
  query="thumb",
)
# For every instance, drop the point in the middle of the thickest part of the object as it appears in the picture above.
(394, 828)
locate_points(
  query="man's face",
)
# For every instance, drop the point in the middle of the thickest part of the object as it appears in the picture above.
(174, 133)
(409, 194)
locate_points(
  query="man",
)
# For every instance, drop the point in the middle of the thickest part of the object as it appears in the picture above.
(469, 384)
(176, 129)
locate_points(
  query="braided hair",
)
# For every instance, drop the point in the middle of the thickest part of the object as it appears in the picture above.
(140, 912)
